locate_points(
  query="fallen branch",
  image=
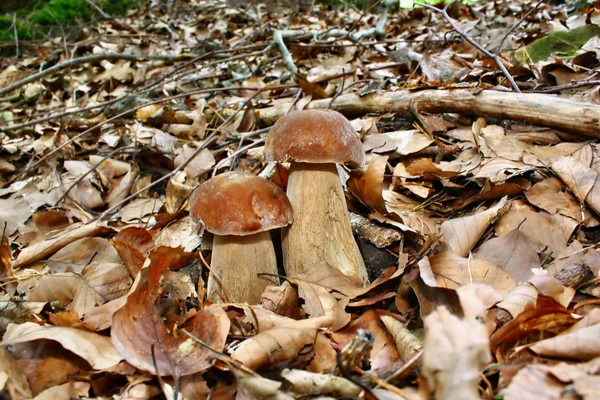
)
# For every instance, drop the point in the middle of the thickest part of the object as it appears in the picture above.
(538, 109)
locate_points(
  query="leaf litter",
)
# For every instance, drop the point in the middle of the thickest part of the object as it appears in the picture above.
(476, 213)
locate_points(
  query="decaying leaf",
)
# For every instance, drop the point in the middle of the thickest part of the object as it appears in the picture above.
(141, 336)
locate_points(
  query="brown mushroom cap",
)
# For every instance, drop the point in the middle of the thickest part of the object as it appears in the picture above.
(314, 136)
(239, 203)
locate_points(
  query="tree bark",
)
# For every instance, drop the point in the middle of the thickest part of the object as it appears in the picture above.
(540, 109)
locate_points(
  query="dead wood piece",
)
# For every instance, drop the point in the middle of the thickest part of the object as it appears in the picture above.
(533, 108)
(575, 274)
(380, 236)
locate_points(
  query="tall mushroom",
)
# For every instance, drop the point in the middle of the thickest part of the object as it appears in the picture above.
(239, 209)
(314, 141)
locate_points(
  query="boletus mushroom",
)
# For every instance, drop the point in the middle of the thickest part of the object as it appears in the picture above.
(314, 141)
(239, 209)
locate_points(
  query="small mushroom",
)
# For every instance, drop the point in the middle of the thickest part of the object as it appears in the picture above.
(314, 141)
(239, 209)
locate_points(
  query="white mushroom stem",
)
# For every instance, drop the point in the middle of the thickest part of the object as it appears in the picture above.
(321, 228)
(237, 260)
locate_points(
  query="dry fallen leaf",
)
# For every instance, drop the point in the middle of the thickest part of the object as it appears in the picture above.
(513, 252)
(94, 348)
(463, 233)
(138, 328)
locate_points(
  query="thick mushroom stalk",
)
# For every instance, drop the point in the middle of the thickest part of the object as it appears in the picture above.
(238, 261)
(314, 141)
(240, 209)
(321, 229)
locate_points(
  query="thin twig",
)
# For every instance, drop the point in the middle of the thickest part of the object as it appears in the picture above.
(285, 53)
(469, 39)
(14, 26)
(515, 25)
(100, 11)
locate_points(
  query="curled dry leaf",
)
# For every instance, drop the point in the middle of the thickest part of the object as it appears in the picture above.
(547, 318)
(273, 346)
(406, 341)
(580, 179)
(133, 244)
(429, 294)
(325, 357)
(95, 349)
(580, 342)
(319, 299)
(463, 233)
(368, 186)
(138, 327)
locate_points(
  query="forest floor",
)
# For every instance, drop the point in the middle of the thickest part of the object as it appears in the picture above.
(477, 213)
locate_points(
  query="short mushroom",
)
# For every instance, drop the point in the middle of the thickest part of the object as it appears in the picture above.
(239, 209)
(314, 141)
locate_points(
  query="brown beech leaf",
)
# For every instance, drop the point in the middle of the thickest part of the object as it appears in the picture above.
(41, 250)
(583, 181)
(133, 244)
(97, 284)
(138, 327)
(368, 186)
(547, 318)
(549, 196)
(462, 234)
(95, 349)
(273, 346)
(453, 271)
(513, 252)
(384, 350)
(580, 342)
(319, 301)
(540, 227)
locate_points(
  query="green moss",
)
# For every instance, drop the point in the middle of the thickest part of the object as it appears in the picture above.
(36, 20)
(561, 43)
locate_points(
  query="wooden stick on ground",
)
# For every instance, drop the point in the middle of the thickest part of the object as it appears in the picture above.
(533, 108)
